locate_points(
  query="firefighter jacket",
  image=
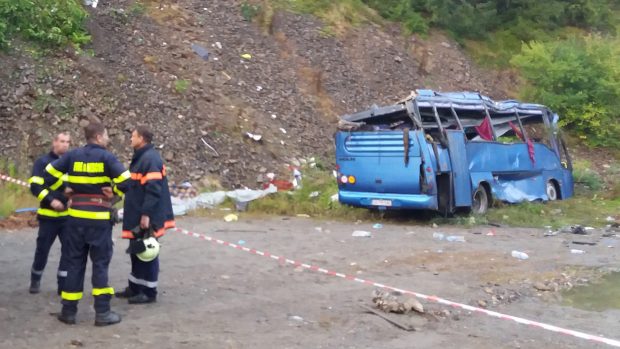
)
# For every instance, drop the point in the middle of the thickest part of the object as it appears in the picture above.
(87, 170)
(148, 193)
(45, 194)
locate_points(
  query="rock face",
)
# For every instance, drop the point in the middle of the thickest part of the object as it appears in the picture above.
(288, 86)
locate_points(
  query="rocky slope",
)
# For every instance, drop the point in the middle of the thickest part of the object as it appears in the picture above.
(287, 82)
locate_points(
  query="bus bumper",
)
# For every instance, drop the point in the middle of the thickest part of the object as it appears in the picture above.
(388, 201)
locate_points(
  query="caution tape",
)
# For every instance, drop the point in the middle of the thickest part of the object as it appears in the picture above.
(435, 299)
(13, 180)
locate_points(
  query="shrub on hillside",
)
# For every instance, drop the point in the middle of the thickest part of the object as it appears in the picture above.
(50, 22)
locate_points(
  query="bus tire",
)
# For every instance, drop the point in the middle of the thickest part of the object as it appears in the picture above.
(480, 201)
(552, 191)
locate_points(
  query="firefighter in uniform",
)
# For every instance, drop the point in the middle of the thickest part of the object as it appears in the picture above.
(51, 213)
(147, 207)
(93, 176)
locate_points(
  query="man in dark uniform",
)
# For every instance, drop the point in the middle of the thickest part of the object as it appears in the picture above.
(93, 176)
(51, 213)
(147, 205)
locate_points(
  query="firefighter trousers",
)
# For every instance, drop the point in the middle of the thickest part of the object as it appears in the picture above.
(49, 229)
(84, 238)
(143, 277)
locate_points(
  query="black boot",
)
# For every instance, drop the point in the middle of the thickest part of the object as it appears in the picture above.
(126, 293)
(107, 318)
(35, 286)
(67, 318)
(141, 298)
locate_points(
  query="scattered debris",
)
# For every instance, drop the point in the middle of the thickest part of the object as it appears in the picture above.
(246, 56)
(438, 236)
(296, 318)
(75, 342)
(610, 219)
(231, 218)
(377, 226)
(455, 238)
(241, 242)
(589, 243)
(255, 137)
(314, 194)
(361, 234)
(575, 251)
(201, 51)
(334, 198)
(574, 229)
(303, 215)
(389, 303)
(519, 255)
(384, 317)
(210, 147)
(282, 130)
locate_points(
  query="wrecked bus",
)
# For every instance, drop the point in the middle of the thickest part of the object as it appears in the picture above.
(449, 151)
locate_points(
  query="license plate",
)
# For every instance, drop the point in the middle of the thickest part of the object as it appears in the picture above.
(377, 202)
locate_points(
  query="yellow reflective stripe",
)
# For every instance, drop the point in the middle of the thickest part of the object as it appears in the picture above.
(100, 291)
(123, 177)
(117, 191)
(71, 296)
(51, 213)
(88, 180)
(56, 185)
(43, 194)
(36, 180)
(54, 172)
(89, 214)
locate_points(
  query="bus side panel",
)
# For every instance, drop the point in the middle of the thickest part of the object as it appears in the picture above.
(510, 171)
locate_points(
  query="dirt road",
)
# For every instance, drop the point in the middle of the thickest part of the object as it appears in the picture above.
(213, 296)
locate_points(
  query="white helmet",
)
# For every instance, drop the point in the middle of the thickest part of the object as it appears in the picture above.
(151, 252)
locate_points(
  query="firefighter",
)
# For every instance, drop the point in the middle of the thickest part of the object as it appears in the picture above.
(147, 207)
(93, 176)
(51, 213)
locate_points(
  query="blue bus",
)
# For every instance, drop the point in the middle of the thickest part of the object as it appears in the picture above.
(448, 151)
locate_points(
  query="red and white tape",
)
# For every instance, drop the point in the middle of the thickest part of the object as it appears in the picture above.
(13, 180)
(552, 328)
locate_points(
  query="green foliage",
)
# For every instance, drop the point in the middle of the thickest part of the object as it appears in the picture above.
(249, 11)
(336, 14)
(50, 22)
(585, 178)
(526, 19)
(580, 79)
(181, 85)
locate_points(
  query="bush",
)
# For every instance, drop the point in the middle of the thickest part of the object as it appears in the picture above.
(50, 22)
(580, 79)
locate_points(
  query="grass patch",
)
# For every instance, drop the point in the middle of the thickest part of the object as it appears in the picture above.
(314, 198)
(582, 210)
(338, 16)
(13, 196)
(181, 85)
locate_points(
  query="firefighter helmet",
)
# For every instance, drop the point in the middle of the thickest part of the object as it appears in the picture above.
(152, 250)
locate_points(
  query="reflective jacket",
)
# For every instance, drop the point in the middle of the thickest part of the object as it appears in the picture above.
(87, 170)
(148, 193)
(45, 194)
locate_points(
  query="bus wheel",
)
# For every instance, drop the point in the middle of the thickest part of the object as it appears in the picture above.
(552, 192)
(480, 202)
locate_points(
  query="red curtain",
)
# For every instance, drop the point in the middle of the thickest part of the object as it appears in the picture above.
(484, 130)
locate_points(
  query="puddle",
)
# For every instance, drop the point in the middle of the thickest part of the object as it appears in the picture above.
(595, 297)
